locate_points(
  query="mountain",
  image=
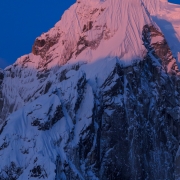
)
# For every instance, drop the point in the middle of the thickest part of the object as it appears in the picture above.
(98, 97)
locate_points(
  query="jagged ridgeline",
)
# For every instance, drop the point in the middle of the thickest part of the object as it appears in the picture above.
(97, 99)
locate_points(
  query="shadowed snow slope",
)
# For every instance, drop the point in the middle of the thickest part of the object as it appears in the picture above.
(98, 98)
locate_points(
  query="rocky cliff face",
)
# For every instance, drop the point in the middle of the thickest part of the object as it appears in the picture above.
(103, 105)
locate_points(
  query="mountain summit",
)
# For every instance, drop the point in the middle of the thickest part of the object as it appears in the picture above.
(98, 98)
(88, 30)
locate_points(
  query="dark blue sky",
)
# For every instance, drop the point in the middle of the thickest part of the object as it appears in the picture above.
(21, 21)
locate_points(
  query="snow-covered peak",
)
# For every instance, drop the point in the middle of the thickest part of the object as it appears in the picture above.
(91, 30)
(102, 82)
(87, 33)
(88, 29)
